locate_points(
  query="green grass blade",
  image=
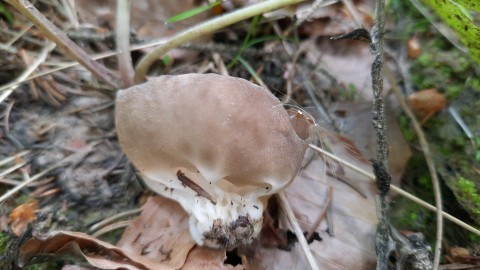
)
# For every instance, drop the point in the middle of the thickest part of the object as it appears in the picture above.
(192, 12)
(251, 71)
(470, 4)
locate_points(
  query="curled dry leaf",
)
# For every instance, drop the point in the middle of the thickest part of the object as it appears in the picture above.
(160, 235)
(75, 244)
(427, 102)
(22, 215)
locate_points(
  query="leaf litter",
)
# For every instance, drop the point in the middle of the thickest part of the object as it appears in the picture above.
(159, 237)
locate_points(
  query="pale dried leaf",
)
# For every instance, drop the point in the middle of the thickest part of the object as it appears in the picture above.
(356, 126)
(426, 102)
(160, 235)
(354, 218)
(347, 61)
(100, 254)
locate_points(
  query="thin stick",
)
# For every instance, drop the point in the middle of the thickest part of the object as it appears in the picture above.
(322, 214)
(430, 164)
(6, 117)
(313, 7)
(74, 64)
(12, 158)
(298, 231)
(123, 42)
(108, 220)
(64, 42)
(399, 191)
(205, 28)
(28, 181)
(112, 227)
(19, 35)
(12, 169)
(383, 240)
(31, 68)
(352, 10)
(61, 163)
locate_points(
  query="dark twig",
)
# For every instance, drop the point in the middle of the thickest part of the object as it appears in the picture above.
(384, 243)
(62, 41)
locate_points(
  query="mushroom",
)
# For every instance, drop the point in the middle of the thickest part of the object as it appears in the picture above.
(218, 145)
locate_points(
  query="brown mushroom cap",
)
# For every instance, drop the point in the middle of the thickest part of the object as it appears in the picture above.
(216, 130)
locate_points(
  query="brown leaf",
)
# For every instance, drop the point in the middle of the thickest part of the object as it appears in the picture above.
(160, 235)
(75, 244)
(203, 258)
(413, 48)
(427, 102)
(22, 215)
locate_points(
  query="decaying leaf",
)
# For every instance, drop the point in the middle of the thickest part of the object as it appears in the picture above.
(413, 47)
(22, 215)
(160, 235)
(427, 102)
(354, 220)
(356, 126)
(98, 253)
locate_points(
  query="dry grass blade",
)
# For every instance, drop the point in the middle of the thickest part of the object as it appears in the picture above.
(64, 42)
(69, 159)
(14, 157)
(321, 215)
(106, 221)
(19, 35)
(430, 164)
(298, 231)
(12, 169)
(207, 27)
(74, 64)
(9, 88)
(112, 227)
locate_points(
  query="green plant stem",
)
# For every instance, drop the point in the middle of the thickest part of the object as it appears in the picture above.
(65, 43)
(206, 28)
(253, 25)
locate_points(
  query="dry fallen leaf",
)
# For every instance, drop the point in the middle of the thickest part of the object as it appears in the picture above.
(22, 215)
(356, 126)
(427, 102)
(354, 219)
(98, 253)
(413, 47)
(160, 235)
